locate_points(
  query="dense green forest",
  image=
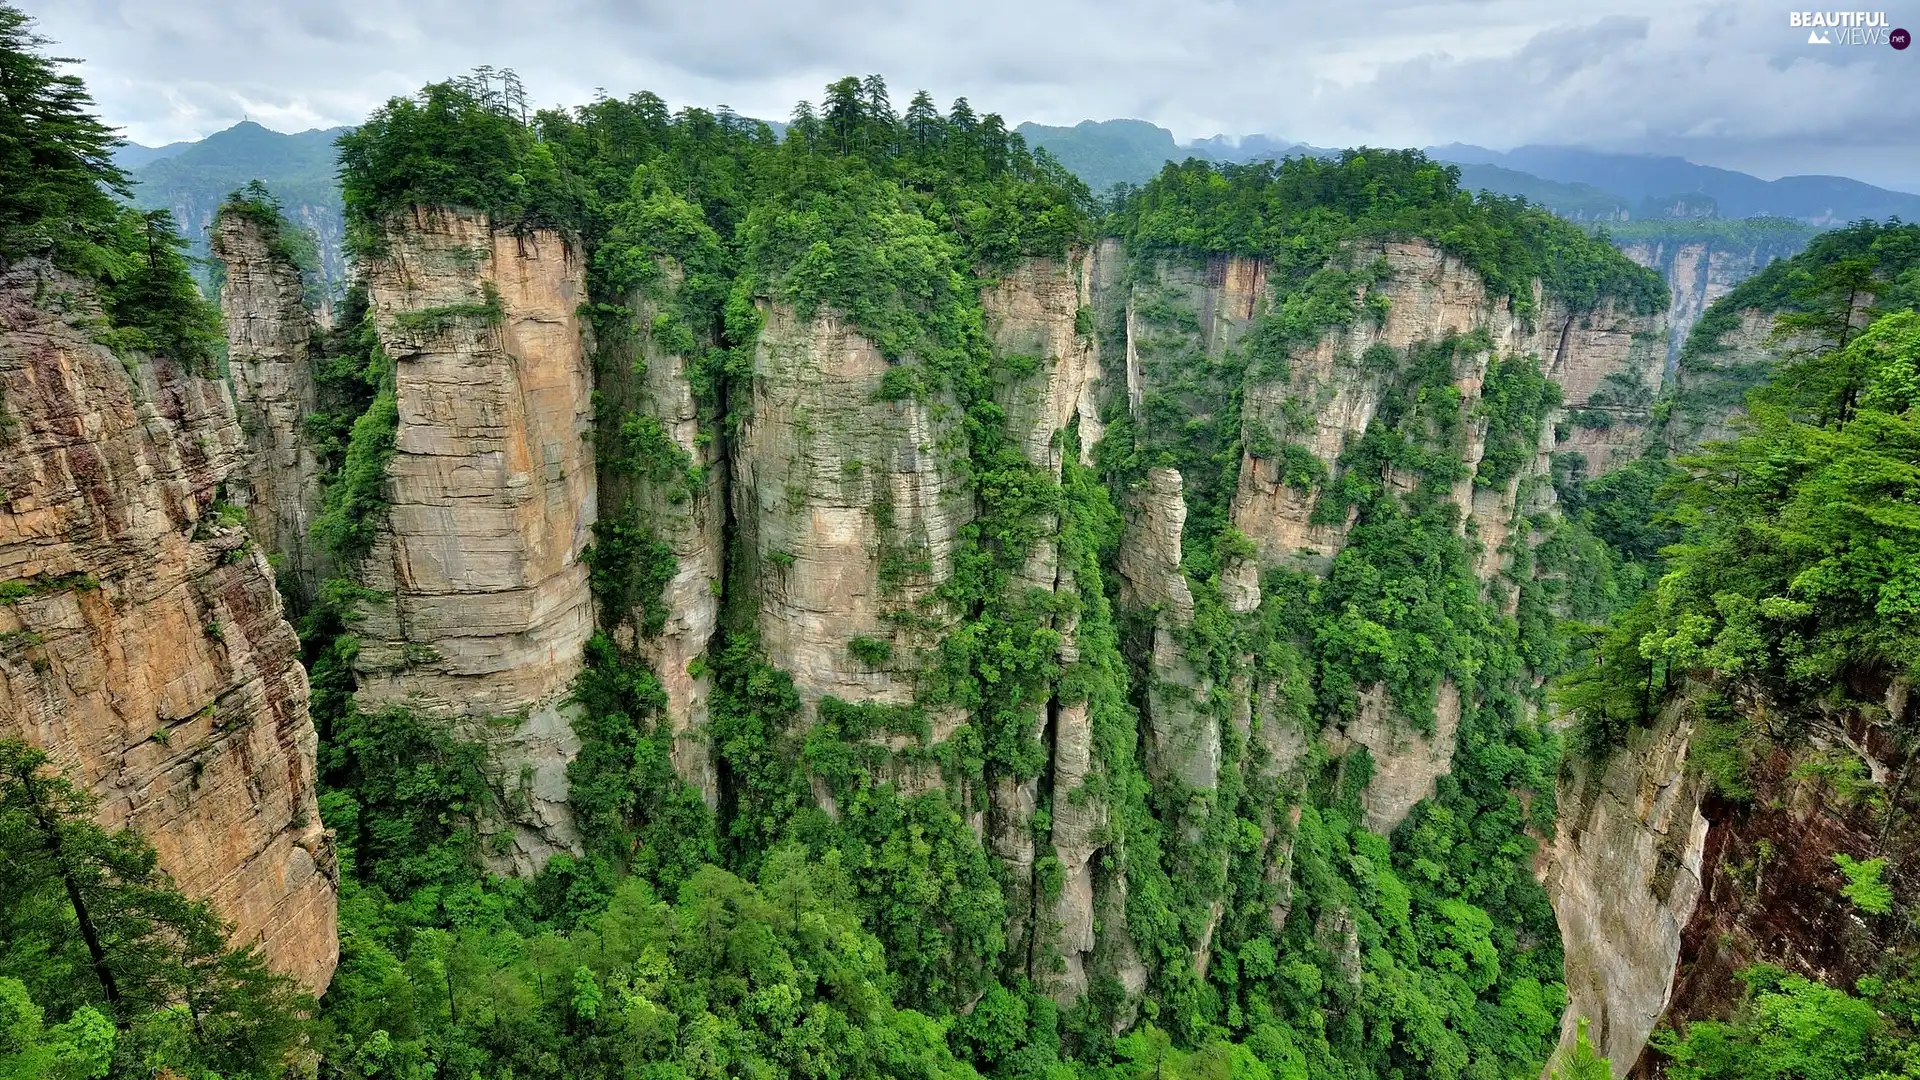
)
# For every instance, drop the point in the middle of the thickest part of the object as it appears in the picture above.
(771, 939)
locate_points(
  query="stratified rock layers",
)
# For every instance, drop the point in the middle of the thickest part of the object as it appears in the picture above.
(269, 353)
(492, 499)
(148, 655)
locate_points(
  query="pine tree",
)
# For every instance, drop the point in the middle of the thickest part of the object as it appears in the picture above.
(843, 112)
(87, 919)
(924, 124)
(56, 165)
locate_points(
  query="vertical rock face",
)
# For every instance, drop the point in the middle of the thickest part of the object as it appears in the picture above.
(849, 503)
(1407, 763)
(1772, 892)
(143, 647)
(1714, 375)
(269, 332)
(849, 506)
(492, 498)
(1610, 365)
(1183, 741)
(1040, 311)
(1322, 403)
(1624, 875)
(1698, 272)
(683, 509)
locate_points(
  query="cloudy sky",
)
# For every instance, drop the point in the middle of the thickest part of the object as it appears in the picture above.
(1729, 84)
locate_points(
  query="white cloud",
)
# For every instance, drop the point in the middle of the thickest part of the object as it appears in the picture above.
(1727, 83)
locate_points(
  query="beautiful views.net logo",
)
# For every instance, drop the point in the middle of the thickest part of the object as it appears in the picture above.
(1846, 27)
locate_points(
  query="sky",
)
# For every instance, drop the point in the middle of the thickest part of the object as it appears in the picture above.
(1729, 84)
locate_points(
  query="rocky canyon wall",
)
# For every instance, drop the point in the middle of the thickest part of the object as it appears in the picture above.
(663, 485)
(270, 355)
(1700, 271)
(142, 643)
(1625, 871)
(1323, 403)
(484, 607)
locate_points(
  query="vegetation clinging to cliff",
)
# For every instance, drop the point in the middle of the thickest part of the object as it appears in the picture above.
(139, 975)
(1301, 211)
(1796, 576)
(1886, 255)
(57, 200)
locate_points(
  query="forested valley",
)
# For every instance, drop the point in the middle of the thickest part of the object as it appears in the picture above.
(1182, 732)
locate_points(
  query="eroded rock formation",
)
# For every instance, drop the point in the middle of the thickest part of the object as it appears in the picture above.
(1624, 871)
(142, 644)
(492, 494)
(269, 353)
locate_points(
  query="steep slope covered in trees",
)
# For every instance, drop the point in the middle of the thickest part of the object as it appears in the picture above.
(929, 531)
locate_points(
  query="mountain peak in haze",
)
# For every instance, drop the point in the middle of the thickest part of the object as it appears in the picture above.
(1636, 178)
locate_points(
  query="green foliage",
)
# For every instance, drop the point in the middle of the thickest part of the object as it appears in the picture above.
(438, 319)
(79, 1049)
(354, 503)
(1582, 1063)
(57, 200)
(731, 978)
(14, 590)
(626, 800)
(629, 571)
(459, 143)
(1863, 270)
(1789, 1027)
(57, 158)
(1890, 250)
(1302, 211)
(873, 652)
(92, 932)
(1796, 569)
(286, 242)
(406, 797)
(1515, 398)
(1864, 887)
(356, 496)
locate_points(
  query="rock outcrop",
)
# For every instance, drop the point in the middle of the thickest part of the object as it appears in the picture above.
(849, 507)
(142, 642)
(269, 354)
(486, 608)
(1624, 872)
(1322, 401)
(1700, 271)
(665, 482)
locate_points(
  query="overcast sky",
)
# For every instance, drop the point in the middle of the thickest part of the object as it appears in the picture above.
(1723, 83)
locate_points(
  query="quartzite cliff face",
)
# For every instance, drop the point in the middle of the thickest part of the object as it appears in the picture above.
(1625, 871)
(144, 648)
(836, 509)
(485, 608)
(1700, 271)
(270, 357)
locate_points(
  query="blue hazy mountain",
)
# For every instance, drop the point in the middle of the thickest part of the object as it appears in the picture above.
(191, 179)
(1816, 200)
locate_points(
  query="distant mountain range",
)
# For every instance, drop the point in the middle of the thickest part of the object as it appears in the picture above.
(1815, 200)
(193, 178)
(1108, 152)
(1584, 185)
(1629, 193)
